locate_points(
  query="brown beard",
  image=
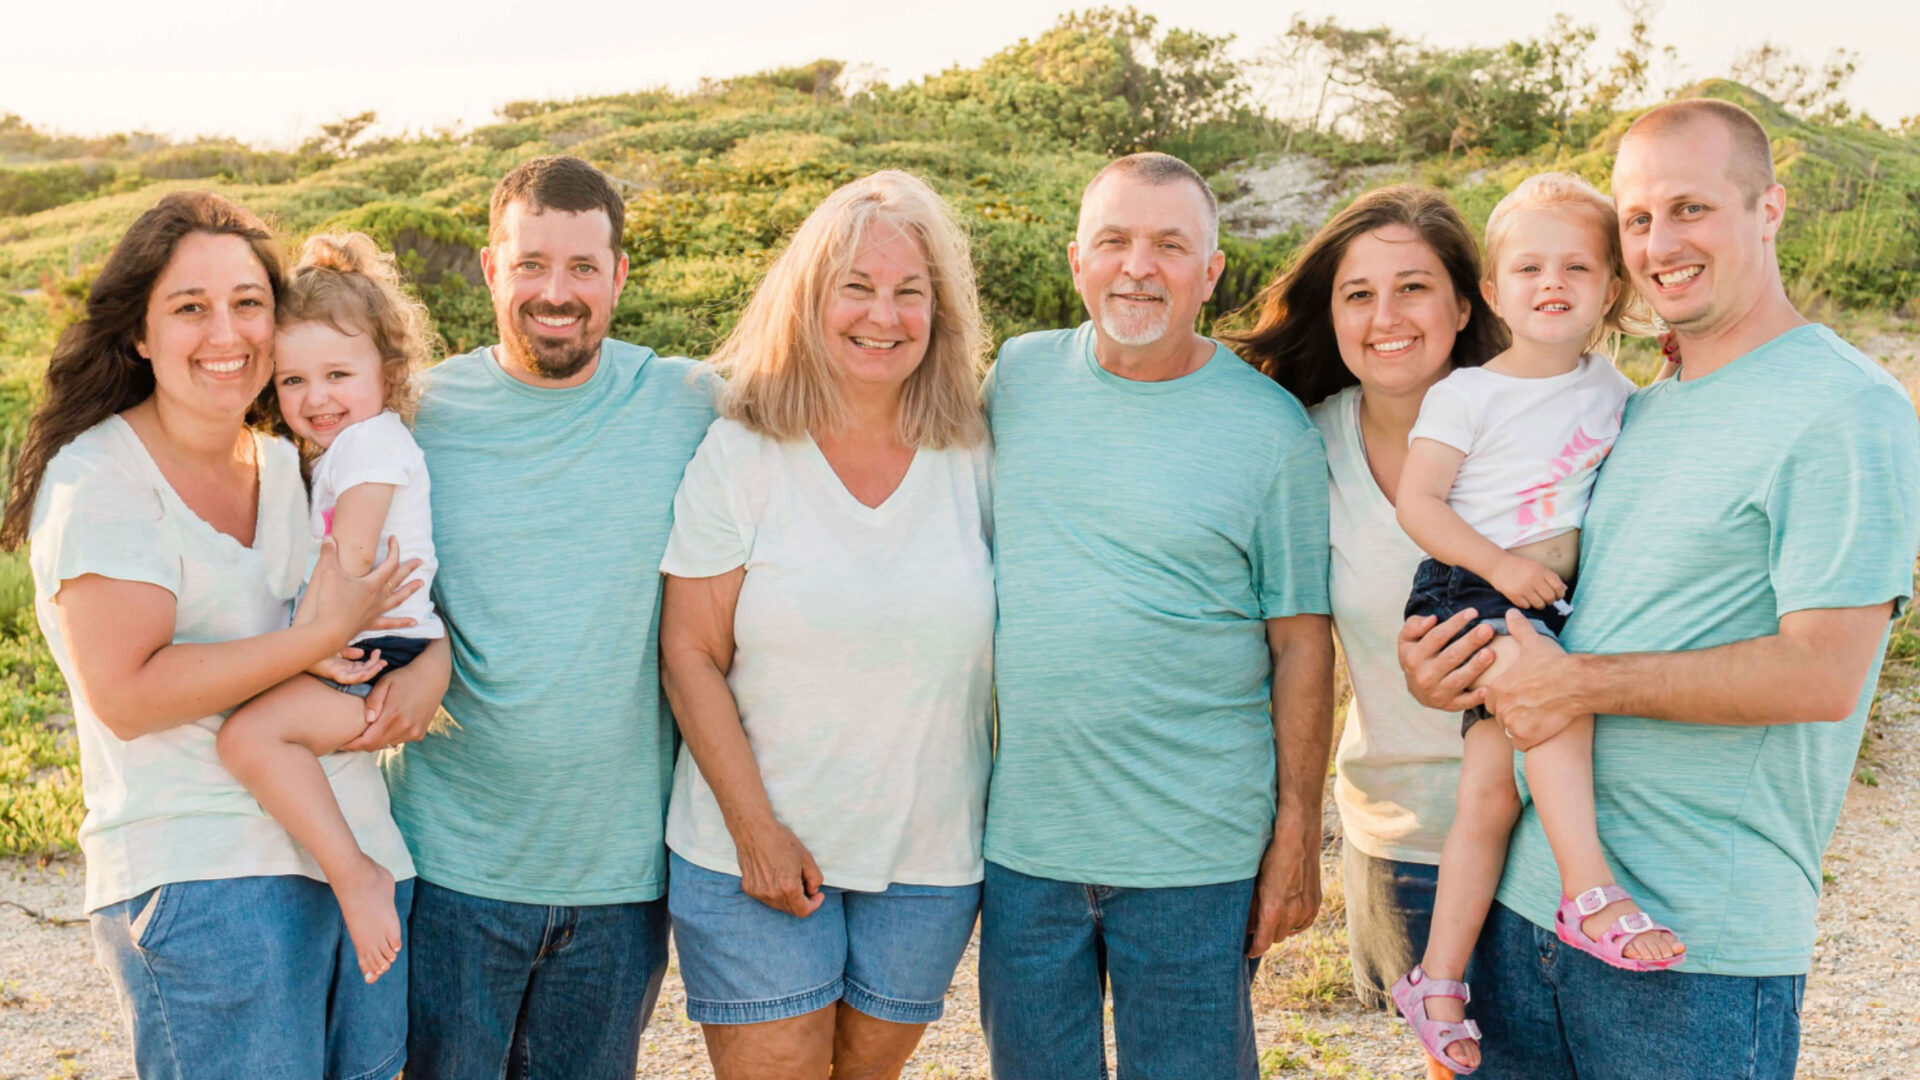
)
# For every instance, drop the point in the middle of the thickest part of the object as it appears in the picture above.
(549, 360)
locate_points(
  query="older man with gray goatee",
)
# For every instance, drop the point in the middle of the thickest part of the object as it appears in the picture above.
(1163, 660)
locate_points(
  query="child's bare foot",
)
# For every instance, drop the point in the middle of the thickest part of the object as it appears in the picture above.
(366, 903)
(1464, 1052)
(1650, 947)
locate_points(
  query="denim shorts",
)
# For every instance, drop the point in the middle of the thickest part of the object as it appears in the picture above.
(397, 651)
(888, 954)
(251, 976)
(1441, 591)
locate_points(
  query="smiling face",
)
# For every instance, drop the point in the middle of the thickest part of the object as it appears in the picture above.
(878, 313)
(209, 326)
(326, 380)
(1552, 279)
(1141, 261)
(1395, 311)
(1693, 246)
(554, 277)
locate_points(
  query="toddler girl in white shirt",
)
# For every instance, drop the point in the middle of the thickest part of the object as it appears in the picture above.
(348, 343)
(1500, 465)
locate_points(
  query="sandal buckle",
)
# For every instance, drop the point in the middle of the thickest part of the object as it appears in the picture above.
(1637, 923)
(1590, 902)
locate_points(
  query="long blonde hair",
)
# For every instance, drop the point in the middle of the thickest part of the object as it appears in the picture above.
(1559, 191)
(780, 380)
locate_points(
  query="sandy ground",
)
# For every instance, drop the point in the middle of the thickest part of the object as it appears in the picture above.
(1283, 191)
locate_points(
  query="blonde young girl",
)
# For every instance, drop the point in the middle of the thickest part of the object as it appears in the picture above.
(348, 343)
(1499, 468)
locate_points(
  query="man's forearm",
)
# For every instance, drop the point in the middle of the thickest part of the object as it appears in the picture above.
(1302, 722)
(1787, 678)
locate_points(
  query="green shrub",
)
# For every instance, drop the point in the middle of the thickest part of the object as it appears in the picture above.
(33, 188)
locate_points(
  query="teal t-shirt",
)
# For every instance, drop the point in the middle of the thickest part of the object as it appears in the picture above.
(1143, 533)
(1785, 481)
(551, 508)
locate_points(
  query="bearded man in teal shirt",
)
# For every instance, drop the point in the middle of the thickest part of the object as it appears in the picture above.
(1163, 662)
(1749, 538)
(539, 931)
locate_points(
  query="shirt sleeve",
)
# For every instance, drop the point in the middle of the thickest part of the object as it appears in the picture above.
(1446, 417)
(93, 518)
(710, 535)
(1844, 507)
(1290, 553)
(375, 451)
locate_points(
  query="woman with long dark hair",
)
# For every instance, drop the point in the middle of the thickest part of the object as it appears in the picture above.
(167, 542)
(1376, 308)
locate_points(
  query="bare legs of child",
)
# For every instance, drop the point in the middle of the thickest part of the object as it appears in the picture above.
(273, 745)
(1560, 778)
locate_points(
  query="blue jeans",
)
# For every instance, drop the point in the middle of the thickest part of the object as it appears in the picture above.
(1182, 1003)
(251, 978)
(528, 991)
(1389, 910)
(1548, 1011)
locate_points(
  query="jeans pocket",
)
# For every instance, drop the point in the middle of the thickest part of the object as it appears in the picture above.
(141, 927)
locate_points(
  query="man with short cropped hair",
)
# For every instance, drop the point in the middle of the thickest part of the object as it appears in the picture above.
(539, 929)
(1163, 660)
(1749, 538)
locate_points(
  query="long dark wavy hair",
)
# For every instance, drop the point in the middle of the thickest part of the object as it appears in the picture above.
(95, 370)
(1292, 337)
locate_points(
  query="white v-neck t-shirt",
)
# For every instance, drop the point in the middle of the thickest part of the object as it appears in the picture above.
(1398, 764)
(863, 655)
(160, 807)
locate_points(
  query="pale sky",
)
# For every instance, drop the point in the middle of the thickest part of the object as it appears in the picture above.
(272, 71)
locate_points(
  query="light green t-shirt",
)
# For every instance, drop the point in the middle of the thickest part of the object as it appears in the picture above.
(1144, 532)
(551, 508)
(1785, 481)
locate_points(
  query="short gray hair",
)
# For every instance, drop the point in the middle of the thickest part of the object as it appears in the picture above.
(1155, 168)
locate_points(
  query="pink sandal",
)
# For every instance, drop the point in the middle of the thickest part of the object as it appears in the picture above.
(1611, 948)
(1410, 994)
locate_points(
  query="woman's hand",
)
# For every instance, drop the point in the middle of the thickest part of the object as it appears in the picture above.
(778, 870)
(1438, 673)
(402, 706)
(347, 604)
(1526, 583)
(350, 666)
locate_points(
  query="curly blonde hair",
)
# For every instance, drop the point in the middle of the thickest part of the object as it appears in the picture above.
(1558, 191)
(780, 380)
(345, 281)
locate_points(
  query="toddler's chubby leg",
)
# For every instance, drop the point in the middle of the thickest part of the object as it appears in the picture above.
(1560, 776)
(1476, 851)
(273, 745)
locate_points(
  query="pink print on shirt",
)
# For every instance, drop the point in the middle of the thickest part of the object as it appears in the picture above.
(327, 516)
(1583, 453)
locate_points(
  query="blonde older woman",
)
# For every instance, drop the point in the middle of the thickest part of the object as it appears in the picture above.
(827, 645)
